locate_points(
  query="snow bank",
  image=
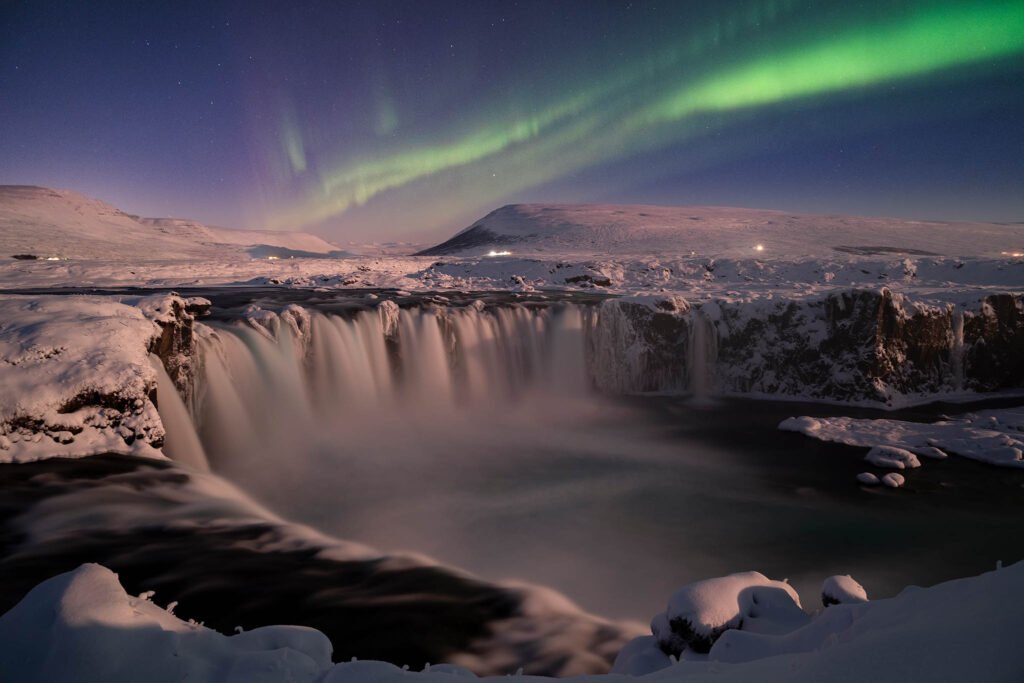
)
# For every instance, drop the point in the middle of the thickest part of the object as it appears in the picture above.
(955, 631)
(76, 378)
(842, 590)
(82, 626)
(992, 436)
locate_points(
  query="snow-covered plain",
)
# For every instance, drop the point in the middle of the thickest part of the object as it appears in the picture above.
(698, 252)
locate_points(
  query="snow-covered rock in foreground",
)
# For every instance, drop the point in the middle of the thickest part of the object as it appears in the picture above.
(698, 614)
(842, 589)
(993, 436)
(75, 375)
(82, 627)
(956, 631)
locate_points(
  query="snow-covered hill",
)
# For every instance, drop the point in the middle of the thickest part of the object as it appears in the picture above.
(534, 229)
(61, 224)
(205, 234)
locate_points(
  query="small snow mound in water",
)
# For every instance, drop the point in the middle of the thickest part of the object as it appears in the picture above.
(867, 479)
(842, 590)
(893, 480)
(892, 457)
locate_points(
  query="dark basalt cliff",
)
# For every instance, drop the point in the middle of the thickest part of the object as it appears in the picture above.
(857, 345)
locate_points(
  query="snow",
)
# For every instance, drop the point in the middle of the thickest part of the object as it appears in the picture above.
(893, 480)
(993, 436)
(700, 253)
(83, 627)
(62, 224)
(75, 377)
(842, 589)
(892, 458)
(716, 232)
(701, 611)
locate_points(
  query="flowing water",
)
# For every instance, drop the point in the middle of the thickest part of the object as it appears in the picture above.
(473, 435)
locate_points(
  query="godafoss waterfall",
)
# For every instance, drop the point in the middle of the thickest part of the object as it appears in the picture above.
(431, 478)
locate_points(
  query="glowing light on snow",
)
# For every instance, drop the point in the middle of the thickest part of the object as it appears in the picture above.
(499, 253)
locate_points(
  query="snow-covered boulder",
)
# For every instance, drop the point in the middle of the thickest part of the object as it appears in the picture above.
(842, 590)
(893, 480)
(892, 457)
(699, 613)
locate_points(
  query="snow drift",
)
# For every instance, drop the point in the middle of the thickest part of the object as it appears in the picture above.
(82, 626)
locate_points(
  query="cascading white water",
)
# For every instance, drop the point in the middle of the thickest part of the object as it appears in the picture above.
(181, 443)
(470, 434)
(703, 353)
(322, 378)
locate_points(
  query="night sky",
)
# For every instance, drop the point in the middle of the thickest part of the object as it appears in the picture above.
(406, 120)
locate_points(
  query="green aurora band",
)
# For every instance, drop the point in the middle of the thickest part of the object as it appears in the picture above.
(648, 107)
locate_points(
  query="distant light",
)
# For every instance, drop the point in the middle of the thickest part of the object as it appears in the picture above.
(759, 247)
(53, 258)
(273, 258)
(499, 253)
(1014, 254)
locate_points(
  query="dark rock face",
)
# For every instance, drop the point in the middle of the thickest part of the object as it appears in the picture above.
(176, 344)
(635, 347)
(994, 343)
(856, 345)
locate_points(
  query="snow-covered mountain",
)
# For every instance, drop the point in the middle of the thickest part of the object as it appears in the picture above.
(599, 229)
(51, 223)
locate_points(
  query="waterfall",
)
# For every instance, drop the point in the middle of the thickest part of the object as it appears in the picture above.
(305, 376)
(703, 352)
(181, 443)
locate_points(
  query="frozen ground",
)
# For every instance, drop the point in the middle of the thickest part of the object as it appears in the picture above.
(697, 252)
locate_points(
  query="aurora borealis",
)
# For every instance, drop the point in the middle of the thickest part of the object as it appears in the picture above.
(394, 120)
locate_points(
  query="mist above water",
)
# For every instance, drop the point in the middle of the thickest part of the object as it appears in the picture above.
(472, 435)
